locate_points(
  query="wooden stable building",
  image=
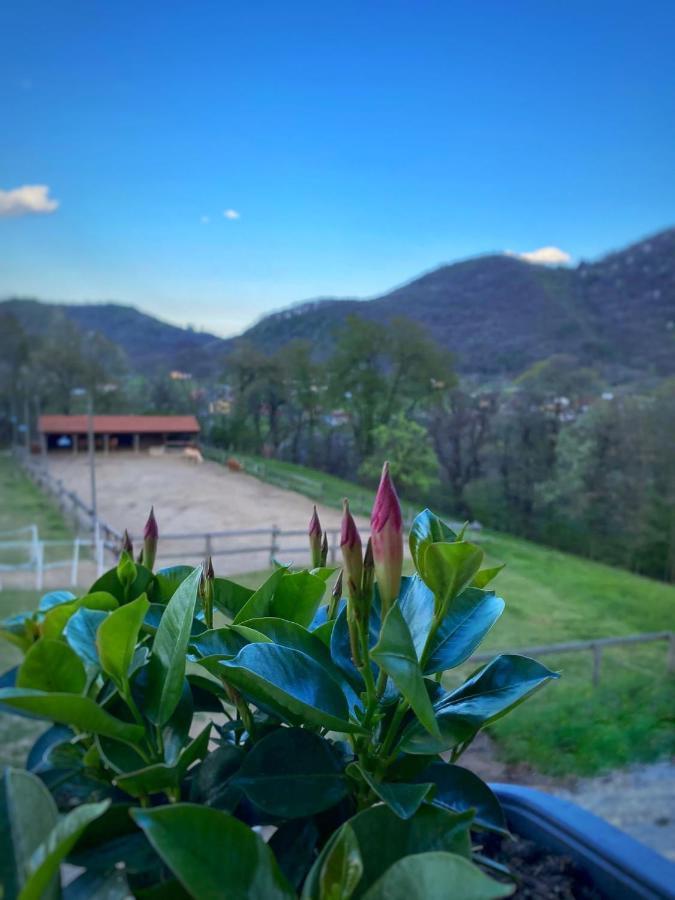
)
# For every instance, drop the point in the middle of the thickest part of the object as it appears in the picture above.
(113, 433)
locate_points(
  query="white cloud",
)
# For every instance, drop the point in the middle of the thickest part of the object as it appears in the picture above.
(544, 256)
(231, 214)
(26, 200)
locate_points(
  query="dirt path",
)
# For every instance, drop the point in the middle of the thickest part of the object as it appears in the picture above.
(196, 498)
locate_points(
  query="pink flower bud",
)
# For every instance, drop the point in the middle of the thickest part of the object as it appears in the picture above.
(387, 536)
(315, 535)
(350, 544)
(150, 535)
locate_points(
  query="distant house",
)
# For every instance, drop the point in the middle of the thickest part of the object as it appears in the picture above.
(116, 432)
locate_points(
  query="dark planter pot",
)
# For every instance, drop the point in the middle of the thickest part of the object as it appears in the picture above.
(618, 866)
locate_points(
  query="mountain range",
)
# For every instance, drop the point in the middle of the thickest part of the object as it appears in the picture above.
(498, 314)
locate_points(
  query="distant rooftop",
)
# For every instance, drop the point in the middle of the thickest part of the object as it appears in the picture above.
(119, 424)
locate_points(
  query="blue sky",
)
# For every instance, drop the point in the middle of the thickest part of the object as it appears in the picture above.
(360, 143)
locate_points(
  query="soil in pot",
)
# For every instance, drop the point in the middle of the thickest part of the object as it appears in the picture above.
(539, 875)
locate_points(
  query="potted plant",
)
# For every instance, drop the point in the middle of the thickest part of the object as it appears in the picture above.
(210, 740)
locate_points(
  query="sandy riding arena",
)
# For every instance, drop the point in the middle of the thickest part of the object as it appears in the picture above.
(195, 499)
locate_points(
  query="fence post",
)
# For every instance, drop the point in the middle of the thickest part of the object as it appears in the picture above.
(76, 561)
(274, 546)
(39, 566)
(670, 659)
(597, 659)
(209, 547)
(333, 547)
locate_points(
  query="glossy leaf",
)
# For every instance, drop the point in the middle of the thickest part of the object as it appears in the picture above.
(297, 597)
(27, 815)
(110, 582)
(80, 633)
(19, 630)
(489, 694)
(116, 640)
(259, 603)
(416, 602)
(289, 683)
(459, 789)
(220, 642)
(166, 669)
(403, 799)
(292, 773)
(342, 867)
(57, 617)
(229, 597)
(436, 876)
(166, 582)
(160, 777)
(211, 852)
(468, 620)
(383, 838)
(427, 529)
(46, 859)
(70, 709)
(52, 666)
(395, 653)
(54, 598)
(94, 885)
(450, 568)
(485, 576)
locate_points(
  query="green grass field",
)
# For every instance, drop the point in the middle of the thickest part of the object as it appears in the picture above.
(570, 727)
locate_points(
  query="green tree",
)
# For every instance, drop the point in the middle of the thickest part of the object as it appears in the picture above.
(412, 461)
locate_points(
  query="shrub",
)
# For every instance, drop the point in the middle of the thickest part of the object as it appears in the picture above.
(215, 741)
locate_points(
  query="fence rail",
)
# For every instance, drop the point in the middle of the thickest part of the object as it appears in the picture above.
(595, 646)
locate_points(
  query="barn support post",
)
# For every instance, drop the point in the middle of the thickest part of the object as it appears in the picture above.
(137, 443)
(106, 444)
(73, 438)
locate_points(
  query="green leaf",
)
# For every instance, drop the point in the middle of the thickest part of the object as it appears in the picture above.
(229, 597)
(259, 603)
(417, 605)
(468, 620)
(342, 867)
(57, 617)
(485, 576)
(436, 876)
(213, 854)
(450, 568)
(52, 666)
(383, 838)
(489, 694)
(395, 653)
(116, 640)
(427, 529)
(292, 773)
(70, 709)
(160, 777)
(92, 885)
(403, 799)
(288, 682)
(459, 789)
(166, 582)
(297, 597)
(54, 598)
(222, 642)
(80, 633)
(46, 859)
(294, 636)
(166, 669)
(27, 815)
(19, 630)
(110, 582)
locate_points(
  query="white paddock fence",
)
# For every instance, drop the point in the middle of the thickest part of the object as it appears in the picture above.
(24, 553)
